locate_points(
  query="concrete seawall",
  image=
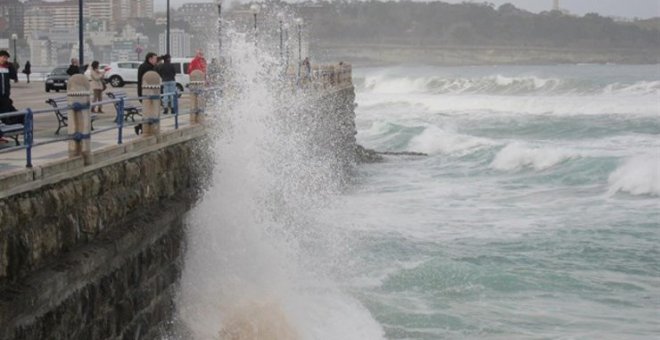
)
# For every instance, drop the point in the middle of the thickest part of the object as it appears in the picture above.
(95, 251)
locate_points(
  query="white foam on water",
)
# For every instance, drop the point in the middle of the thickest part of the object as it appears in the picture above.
(516, 156)
(637, 176)
(258, 264)
(434, 140)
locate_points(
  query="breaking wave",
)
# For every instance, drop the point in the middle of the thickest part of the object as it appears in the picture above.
(516, 156)
(637, 176)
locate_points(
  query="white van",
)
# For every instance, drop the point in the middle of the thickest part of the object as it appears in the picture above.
(125, 72)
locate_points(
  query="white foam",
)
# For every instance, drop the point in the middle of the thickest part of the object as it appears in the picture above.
(435, 140)
(255, 251)
(516, 156)
(637, 176)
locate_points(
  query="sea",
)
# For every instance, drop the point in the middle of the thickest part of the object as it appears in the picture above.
(532, 210)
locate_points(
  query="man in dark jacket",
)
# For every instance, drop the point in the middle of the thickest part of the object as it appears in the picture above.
(167, 74)
(74, 68)
(7, 74)
(149, 64)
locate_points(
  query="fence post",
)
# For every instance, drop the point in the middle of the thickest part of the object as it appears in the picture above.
(196, 85)
(151, 83)
(80, 120)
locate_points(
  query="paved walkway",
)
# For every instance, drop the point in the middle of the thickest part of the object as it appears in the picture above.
(33, 96)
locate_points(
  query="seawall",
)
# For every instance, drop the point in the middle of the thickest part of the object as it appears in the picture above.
(94, 251)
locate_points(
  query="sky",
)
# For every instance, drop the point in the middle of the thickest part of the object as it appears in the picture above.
(619, 8)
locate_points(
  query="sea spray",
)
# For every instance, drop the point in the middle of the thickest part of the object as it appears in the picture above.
(258, 264)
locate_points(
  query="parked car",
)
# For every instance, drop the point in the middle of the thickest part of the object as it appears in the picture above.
(57, 79)
(122, 73)
(125, 72)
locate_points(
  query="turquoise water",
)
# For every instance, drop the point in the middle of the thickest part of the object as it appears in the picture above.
(535, 215)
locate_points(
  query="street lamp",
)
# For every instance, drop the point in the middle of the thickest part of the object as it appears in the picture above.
(167, 33)
(286, 43)
(299, 22)
(14, 37)
(280, 17)
(219, 3)
(81, 42)
(254, 9)
(138, 48)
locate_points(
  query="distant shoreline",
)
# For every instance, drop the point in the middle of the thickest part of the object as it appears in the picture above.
(387, 54)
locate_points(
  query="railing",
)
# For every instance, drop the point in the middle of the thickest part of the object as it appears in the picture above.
(80, 120)
(321, 76)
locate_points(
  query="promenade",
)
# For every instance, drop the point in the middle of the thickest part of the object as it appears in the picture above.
(34, 96)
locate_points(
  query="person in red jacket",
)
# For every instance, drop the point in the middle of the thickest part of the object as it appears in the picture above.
(198, 63)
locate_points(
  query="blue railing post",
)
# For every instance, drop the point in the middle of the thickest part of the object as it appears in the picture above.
(28, 137)
(120, 120)
(175, 108)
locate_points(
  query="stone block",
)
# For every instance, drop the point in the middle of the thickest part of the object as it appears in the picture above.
(167, 136)
(73, 166)
(108, 153)
(141, 143)
(15, 178)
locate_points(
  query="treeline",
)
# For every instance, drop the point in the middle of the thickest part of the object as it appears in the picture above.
(467, 24)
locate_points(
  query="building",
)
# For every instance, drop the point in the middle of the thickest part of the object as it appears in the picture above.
(123, 10)
(179, 43)
(11, 19)
(201, 17)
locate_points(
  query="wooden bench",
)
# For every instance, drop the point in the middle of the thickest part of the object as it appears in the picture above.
(12, 131)
(61, 104)
(130, 110)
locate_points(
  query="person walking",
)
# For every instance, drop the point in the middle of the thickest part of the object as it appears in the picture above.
(97, 85)
(27, 70)
(167, 74)
(149, 64)
(74, 67)
(7, 74)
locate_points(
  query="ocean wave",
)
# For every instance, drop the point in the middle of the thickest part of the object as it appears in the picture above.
(501, 84)
(434, 140)
(637, 176)
(516, 156)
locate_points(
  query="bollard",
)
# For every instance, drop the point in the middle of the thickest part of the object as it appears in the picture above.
(151, 83)
(80, 120)
(196, 85)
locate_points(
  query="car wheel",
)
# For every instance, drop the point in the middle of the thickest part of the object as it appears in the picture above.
(47, 89)
(179, 87)
(58, 90)
(116, 81)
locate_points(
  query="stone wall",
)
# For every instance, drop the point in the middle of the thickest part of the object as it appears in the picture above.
(95, 255)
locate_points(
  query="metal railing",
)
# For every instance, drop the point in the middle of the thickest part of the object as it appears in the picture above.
(119, 122)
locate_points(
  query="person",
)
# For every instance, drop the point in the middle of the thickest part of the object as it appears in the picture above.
(167, 74)
(96, 84)
(7, 74)
(308, 69)
(149, 64)
(27, 70)
(198, 63)
(74, 68)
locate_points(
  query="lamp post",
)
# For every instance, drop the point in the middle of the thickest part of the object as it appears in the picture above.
(254, 9)
(14, 37)
(286, 46)
(299, 22)
(81, 42)
(219, 4)
(280, 18)
(167, 30)
(138, 49)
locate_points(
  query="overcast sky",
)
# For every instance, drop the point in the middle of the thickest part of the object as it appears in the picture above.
(621, 8)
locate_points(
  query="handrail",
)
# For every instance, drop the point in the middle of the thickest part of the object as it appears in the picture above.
(28, 125)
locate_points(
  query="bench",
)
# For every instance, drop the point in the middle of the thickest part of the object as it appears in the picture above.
(130, 110)
(61, 105)
(12, 131)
